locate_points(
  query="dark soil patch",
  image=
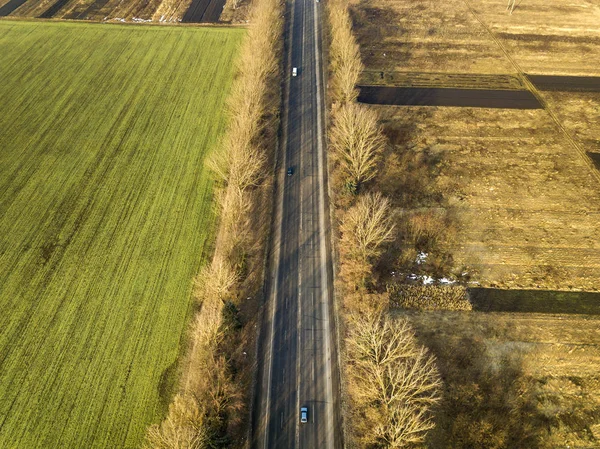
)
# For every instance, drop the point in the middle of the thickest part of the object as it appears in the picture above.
(50, 12)
(534, 301)
(550, 38)
(595, 157)
(566, 83)
(479, 98)
(10, 7)
(91, 11)
(204, 11)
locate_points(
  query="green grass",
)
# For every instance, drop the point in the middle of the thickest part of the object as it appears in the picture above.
(106, 214)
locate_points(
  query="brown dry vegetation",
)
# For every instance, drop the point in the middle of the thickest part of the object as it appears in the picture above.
(547, 37)
(236, 11)
(579, 113)
(356, 142)
(171, 10)
(344, 55)
(495, 196)
(514, 380)
(509, 200)
(428, 36)
(424, 36)
(393, 383)
(429, 297)
(391, 380)
(210, 408)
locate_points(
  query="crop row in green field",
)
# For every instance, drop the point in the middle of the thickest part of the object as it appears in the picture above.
(106, 214)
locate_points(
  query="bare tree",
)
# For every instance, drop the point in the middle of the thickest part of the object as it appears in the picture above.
(394, 380)
(344, 54)
(224, 394)
(184, 427)
(357, 142)
(366, 226)
(215, 280)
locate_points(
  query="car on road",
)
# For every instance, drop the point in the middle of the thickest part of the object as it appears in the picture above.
(290, 171)
(304, 415)
(295, 71)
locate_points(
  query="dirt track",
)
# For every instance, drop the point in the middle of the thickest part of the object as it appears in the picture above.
(482, 98)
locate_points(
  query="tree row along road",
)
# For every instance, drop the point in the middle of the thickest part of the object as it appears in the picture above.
(297, 351)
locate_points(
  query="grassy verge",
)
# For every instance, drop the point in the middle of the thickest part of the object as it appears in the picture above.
(106, 214)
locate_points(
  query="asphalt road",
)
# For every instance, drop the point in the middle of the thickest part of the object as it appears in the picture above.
(297, 353)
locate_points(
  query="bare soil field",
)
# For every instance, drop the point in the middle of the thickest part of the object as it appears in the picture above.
(101, 10)
(501, 199)
(517, 202)
(425, 36)
(547, 37)
(579, 113)
(207, 11)
(542, 37)
(518, 206)
(203, 11)
(53, 10)
(514, 380)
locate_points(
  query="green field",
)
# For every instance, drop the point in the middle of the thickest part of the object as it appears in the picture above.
(106, 214)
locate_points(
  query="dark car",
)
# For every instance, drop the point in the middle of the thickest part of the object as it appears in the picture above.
(290, 171)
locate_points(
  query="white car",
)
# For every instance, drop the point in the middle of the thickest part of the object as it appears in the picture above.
(304, 415)
(295, 71)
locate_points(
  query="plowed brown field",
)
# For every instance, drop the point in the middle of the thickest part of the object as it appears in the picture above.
(525, 205)
(522, 196)
(515, 380)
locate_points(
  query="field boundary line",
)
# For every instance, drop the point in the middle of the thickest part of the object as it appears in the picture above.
(527, 83)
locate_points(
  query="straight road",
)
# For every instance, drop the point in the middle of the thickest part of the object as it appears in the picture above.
(298, 355)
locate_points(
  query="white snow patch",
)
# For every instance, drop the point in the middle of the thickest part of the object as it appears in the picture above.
(427, 280)
(447, 281)
(421, 258)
